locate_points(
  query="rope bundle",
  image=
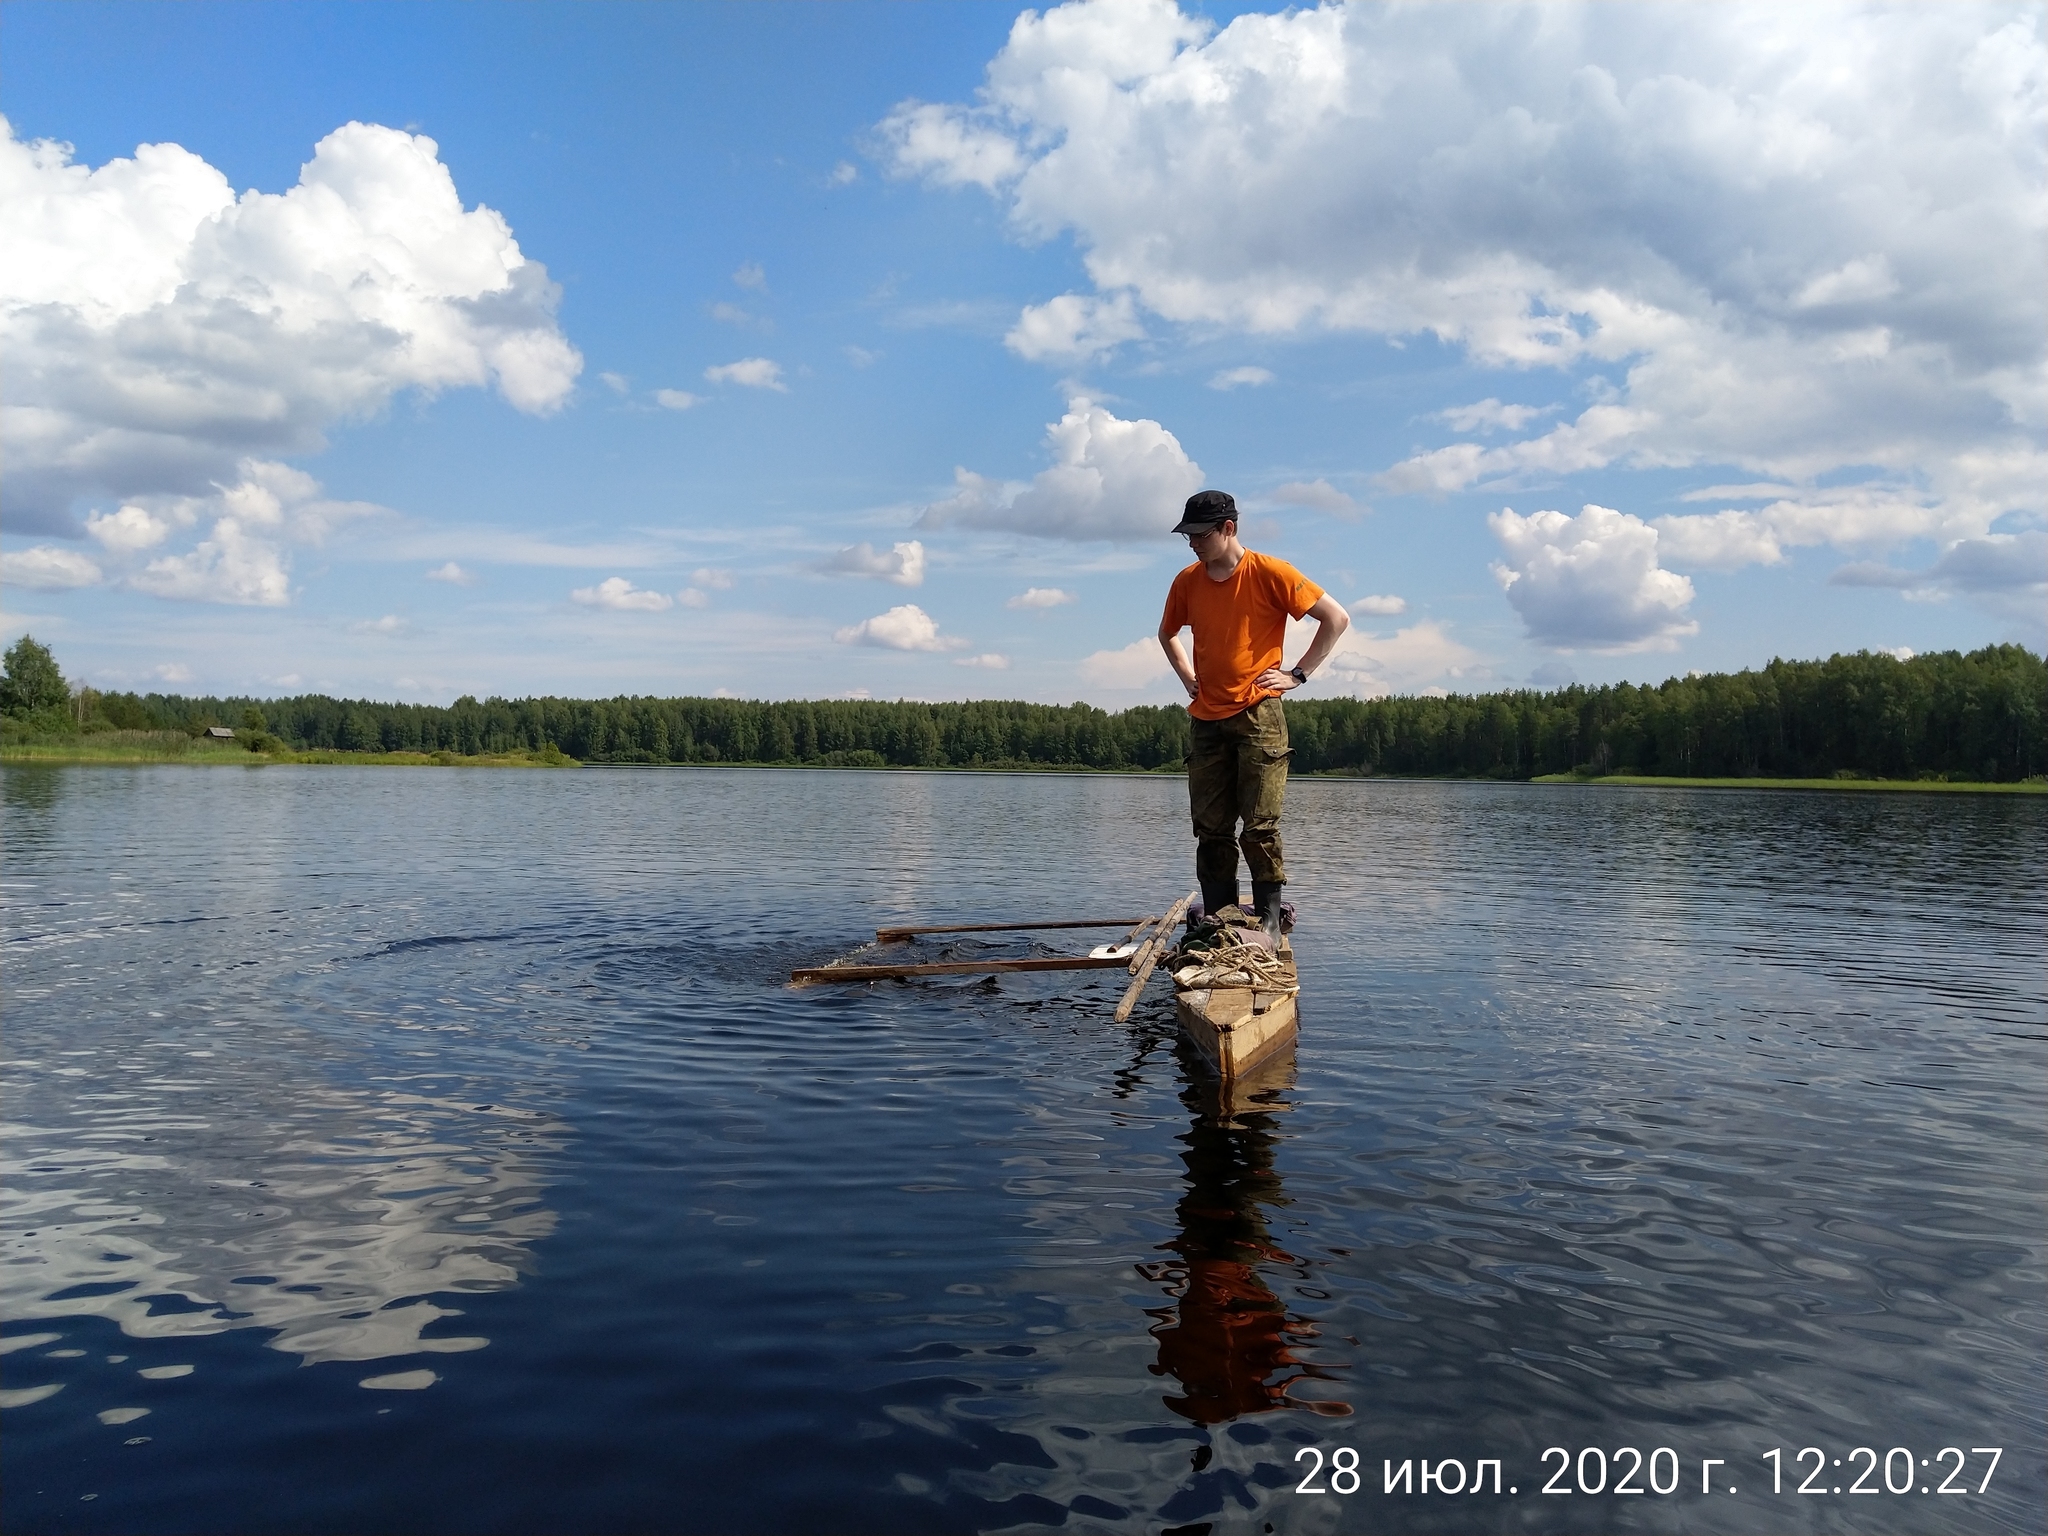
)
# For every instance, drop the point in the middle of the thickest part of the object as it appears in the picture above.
(1228, 961)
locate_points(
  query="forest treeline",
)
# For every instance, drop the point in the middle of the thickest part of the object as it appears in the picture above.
(1946, 715)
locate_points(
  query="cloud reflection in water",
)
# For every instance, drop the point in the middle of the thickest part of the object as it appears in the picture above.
(366, 1204)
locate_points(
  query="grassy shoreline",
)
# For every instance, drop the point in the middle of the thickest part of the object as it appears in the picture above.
(1893, 786)
(117, 747)
(175, 747)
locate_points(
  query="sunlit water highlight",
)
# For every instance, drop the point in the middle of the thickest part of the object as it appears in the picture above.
(436, 1150)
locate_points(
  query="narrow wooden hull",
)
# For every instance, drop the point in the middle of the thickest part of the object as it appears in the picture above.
(1238, 1029)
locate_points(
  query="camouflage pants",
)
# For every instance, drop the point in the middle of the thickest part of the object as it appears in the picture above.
(1237, 771)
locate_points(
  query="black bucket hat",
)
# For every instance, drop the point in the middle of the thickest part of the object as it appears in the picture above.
(1205, 509)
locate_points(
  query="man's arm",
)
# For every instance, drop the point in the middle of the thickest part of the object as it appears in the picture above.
(1331, 622)
(1177, 658)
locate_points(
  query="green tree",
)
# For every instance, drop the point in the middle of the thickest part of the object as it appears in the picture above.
(1940, 715)
(33, 680)
(360, 731)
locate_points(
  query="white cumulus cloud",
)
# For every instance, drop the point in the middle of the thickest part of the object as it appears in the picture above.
(713, 578)
(1110, 479)
(620, 595)
(903, 565)
(1850, 517)
(1803, 241)
(676, 399)
(1040, 598)
(1073, 328)
(453, 574)
(1137, 665)
(45, 568)
(1590, 582)
(1599, 436)
(130, 529)
(949, 148)
(1239, 378)
(905, 628)
(1377, 604)
(230, 565)
(989, 660)
(1423, 658)
(159, 329)
(1489, 414)
(1722, 541)
(753, 372)
(252, 524)
(1854, 282)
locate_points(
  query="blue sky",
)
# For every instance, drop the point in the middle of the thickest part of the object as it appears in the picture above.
(808, 351)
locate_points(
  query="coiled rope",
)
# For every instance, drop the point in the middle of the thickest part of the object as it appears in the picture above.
(1229, 961)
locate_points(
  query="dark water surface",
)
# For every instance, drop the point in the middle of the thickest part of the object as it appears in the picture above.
(421, 1151)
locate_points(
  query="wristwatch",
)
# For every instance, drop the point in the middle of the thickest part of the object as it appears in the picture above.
(1298, 675)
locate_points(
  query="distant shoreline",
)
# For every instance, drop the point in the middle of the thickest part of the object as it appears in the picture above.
(200, 753)
(208, 755)
(1895, 786)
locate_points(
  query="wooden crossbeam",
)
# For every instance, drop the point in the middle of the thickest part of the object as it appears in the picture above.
(957, 967)
(897, 935)
(1156, 932)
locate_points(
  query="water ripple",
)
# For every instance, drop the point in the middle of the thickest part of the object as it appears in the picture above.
(1706, 1120)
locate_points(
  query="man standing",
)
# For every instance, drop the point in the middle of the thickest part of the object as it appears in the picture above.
(1238, 603)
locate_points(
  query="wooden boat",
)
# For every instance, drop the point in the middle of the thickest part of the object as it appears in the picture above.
(1239, 1029)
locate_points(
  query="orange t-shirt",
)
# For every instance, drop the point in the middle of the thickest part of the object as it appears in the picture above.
(1239, 625)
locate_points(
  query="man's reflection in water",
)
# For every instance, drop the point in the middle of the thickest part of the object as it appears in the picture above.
(1228, 1339)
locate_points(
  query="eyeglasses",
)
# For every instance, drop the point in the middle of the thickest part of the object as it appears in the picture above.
(1209, 532)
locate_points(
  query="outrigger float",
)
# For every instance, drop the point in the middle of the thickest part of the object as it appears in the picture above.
(1234, 983)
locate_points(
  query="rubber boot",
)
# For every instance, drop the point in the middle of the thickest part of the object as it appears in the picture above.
(1216, 897)
(1266, 899)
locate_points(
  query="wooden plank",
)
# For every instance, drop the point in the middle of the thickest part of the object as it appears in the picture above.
(1161, 937)
(953, 968)
(1149, 956)
(1154, 937)
(1220, 1024)
(896, 935)
(1133, 943)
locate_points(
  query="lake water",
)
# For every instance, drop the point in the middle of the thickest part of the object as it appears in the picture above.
(421, 1151)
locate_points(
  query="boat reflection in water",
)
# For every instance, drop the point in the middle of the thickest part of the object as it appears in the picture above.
(1228, 1340)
